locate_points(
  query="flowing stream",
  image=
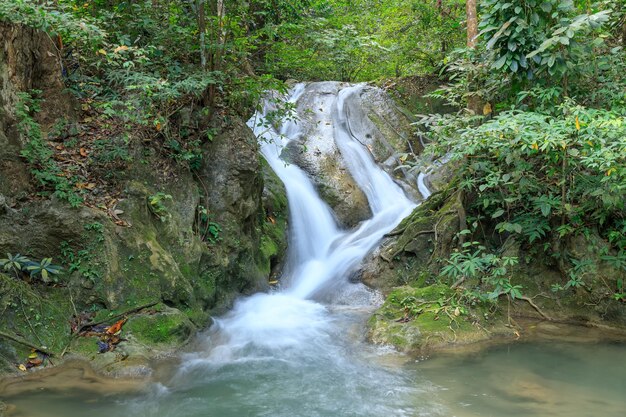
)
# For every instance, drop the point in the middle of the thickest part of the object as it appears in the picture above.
(300, 351)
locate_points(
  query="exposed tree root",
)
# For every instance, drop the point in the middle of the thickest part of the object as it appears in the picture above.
(536, 307)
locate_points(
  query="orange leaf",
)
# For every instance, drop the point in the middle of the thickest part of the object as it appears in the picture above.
(116, 327)
(35, 361)
(83, 152)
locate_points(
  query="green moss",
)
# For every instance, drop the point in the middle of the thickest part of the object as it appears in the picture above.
(416, 332)
(86, 347)
(38, 314)
(168, 328)
(105, 315)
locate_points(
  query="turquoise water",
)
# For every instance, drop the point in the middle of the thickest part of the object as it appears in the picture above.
(532, 379)
(355, 379)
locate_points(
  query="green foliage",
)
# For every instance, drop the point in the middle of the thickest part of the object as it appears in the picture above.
(54, 18)
(156, 204)
(14, 263)
(474, 262)
(363, 40)
(81, 260)
(18, 264)
(45, 269)
(537, 174)
(96, 230)
(38, 153)
(533, 36)
(208, 230)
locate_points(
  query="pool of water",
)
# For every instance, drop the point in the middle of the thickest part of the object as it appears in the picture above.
(338, 374)
(531, 379)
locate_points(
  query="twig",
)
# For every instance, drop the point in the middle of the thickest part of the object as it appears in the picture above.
(457, 283)
(132, 310)
(26, 343)
(395, 232)
(32, 329)
(69, 288)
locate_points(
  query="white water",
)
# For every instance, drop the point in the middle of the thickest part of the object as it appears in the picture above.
(292, 327)
(299, 352)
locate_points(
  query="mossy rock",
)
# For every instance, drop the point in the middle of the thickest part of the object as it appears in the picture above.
(170, 327)
(35, 313)
(419, 321)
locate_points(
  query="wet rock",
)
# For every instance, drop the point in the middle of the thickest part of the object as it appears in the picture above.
(373, 120)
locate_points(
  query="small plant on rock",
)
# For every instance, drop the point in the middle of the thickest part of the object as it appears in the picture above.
(46, 270)
(14, 263)
(157, 206)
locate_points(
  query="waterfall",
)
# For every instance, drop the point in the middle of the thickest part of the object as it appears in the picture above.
(319, 251)
(278, 336)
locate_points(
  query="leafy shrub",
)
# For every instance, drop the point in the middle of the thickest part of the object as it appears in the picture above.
(542, 175)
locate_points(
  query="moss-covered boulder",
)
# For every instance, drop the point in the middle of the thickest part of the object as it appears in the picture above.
(421, 320)
(411, 252)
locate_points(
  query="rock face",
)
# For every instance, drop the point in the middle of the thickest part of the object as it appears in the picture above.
(374, 121)
(28, 61)
(185, 243)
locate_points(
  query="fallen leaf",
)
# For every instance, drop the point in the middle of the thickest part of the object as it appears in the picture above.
(83, 152)
(121, 48)
(487, 109)
(103, 347)
(35, 362)
(22, 367)
(116, 327)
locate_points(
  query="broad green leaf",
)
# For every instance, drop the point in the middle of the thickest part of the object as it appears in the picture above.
(497, 214)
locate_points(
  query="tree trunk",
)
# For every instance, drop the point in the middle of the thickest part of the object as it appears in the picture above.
(472, 23)
(202, 31)
(474, 101)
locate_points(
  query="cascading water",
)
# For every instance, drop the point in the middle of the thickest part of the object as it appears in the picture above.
(299, 352)
(271, 336)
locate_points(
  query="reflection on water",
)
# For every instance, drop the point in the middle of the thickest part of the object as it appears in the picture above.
(527, 379)
(532, 379)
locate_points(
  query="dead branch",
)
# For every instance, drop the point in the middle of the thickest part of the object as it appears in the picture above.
(26, 343)
(116, 317)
